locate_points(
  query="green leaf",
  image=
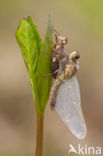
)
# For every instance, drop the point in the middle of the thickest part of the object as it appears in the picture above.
(37, 63)
(44, 78)
(29, 40)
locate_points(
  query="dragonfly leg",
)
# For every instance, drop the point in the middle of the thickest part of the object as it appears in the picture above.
(46, 53)
(49, 74)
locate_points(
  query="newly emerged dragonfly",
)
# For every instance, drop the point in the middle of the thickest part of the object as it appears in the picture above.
(65, 95)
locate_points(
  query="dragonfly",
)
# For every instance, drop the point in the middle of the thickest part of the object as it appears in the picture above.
(65, 95)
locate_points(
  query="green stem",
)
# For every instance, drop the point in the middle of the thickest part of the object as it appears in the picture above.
(39, 139)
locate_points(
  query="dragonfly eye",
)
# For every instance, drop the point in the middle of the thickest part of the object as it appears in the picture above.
(75, 55)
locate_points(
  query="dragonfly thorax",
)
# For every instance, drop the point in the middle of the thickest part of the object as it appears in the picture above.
(68, 72)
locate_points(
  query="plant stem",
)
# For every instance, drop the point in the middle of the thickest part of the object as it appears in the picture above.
(39, 139)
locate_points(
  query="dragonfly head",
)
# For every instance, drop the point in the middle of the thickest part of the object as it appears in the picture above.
(74, 55)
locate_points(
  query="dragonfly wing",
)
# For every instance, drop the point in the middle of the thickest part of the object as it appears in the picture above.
(68, 106)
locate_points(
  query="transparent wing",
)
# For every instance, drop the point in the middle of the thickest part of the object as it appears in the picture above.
(68, 106)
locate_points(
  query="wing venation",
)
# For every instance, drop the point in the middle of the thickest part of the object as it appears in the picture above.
(68, 106)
